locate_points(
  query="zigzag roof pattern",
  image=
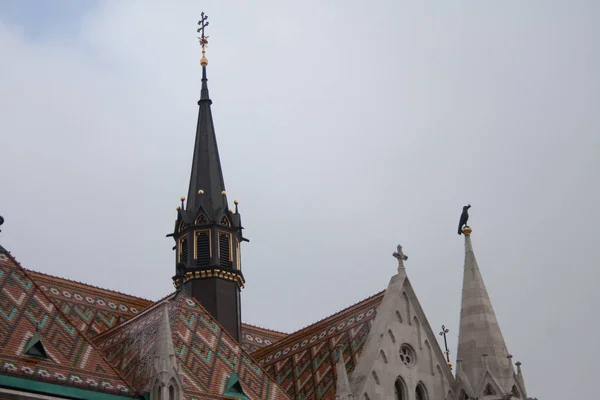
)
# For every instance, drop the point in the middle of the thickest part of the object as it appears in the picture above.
(92, 310)
(72, 360)
(255, 337)
(303, 363)
(207, 354)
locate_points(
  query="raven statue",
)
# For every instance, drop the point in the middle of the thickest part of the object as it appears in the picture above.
(464, 217)
(1, 220)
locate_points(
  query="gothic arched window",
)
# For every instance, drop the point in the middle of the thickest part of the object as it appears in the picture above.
(171, 392)
(420, 392)
(400, 390)
(201, 220)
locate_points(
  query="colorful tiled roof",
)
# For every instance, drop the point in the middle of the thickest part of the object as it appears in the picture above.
(303, 363)
(254, 337)
(90, 309)
(72, 360)
(94, 310)
(206, 352)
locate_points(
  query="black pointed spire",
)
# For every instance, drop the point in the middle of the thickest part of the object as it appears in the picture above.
(207, 233)
(207, 175)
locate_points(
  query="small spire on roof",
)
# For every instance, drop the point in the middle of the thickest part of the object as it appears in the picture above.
(203, 23)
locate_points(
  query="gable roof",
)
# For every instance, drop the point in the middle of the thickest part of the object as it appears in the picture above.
(303, 363)
(92, 310)
(207, 354)
(72, 360)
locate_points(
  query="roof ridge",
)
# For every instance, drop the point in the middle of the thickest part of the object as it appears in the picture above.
(265, 329)
(241, 347)
(145, 311)
(78, 332)
(339, 312)
(86, 284)
(292, 335)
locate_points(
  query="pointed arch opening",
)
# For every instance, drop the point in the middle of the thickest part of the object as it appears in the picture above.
(406, 307)
(418, 325)
(202, 219)
(400, 390)
(158, 392)
(224, 221)
(515, 392)
(438, 370)
(398, 316)
(429, 357)
(392, 336)
(383, 356)
(489, 390)
(420, 392)
(463, 395)
(171, 392)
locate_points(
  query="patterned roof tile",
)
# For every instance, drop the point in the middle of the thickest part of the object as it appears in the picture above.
(254, 337)
(91, 309)
(73, 360)
(303, 363)
(207, 354)
(94, 310)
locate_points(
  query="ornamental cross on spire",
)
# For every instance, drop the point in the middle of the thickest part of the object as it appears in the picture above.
(399, 254)
(447, 352)
(203, 23)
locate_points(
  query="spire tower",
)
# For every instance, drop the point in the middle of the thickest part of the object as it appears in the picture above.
(207, 233)
(481, 347)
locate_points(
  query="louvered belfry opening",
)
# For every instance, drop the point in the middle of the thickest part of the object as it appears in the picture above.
(225, 249)
(202, 248)
(183, 250)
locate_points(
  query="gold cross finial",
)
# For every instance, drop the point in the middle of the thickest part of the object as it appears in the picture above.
(203, 23)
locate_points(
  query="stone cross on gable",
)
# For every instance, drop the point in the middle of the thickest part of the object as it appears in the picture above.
(399, 254)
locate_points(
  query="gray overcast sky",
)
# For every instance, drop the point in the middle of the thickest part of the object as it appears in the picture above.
(345, 128)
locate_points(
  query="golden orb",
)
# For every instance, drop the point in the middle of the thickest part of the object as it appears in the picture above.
(204, 61)
(223, 193)
(200, 191)
(182, 198)
(236, 202)
(178, 208)
(467, 230)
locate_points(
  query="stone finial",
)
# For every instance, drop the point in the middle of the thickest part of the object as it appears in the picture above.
(400, 256)
(510, 363)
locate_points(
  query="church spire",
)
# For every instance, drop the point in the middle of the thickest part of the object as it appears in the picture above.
(207, 187)
(481, 346)
(207, 233)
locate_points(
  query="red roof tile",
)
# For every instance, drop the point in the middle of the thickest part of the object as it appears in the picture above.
(206, 352)
(254, 337)
(91, 309)
(74, 361)
(303, 363)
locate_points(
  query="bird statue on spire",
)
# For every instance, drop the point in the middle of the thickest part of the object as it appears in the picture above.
(1, 220)
(464, 218)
